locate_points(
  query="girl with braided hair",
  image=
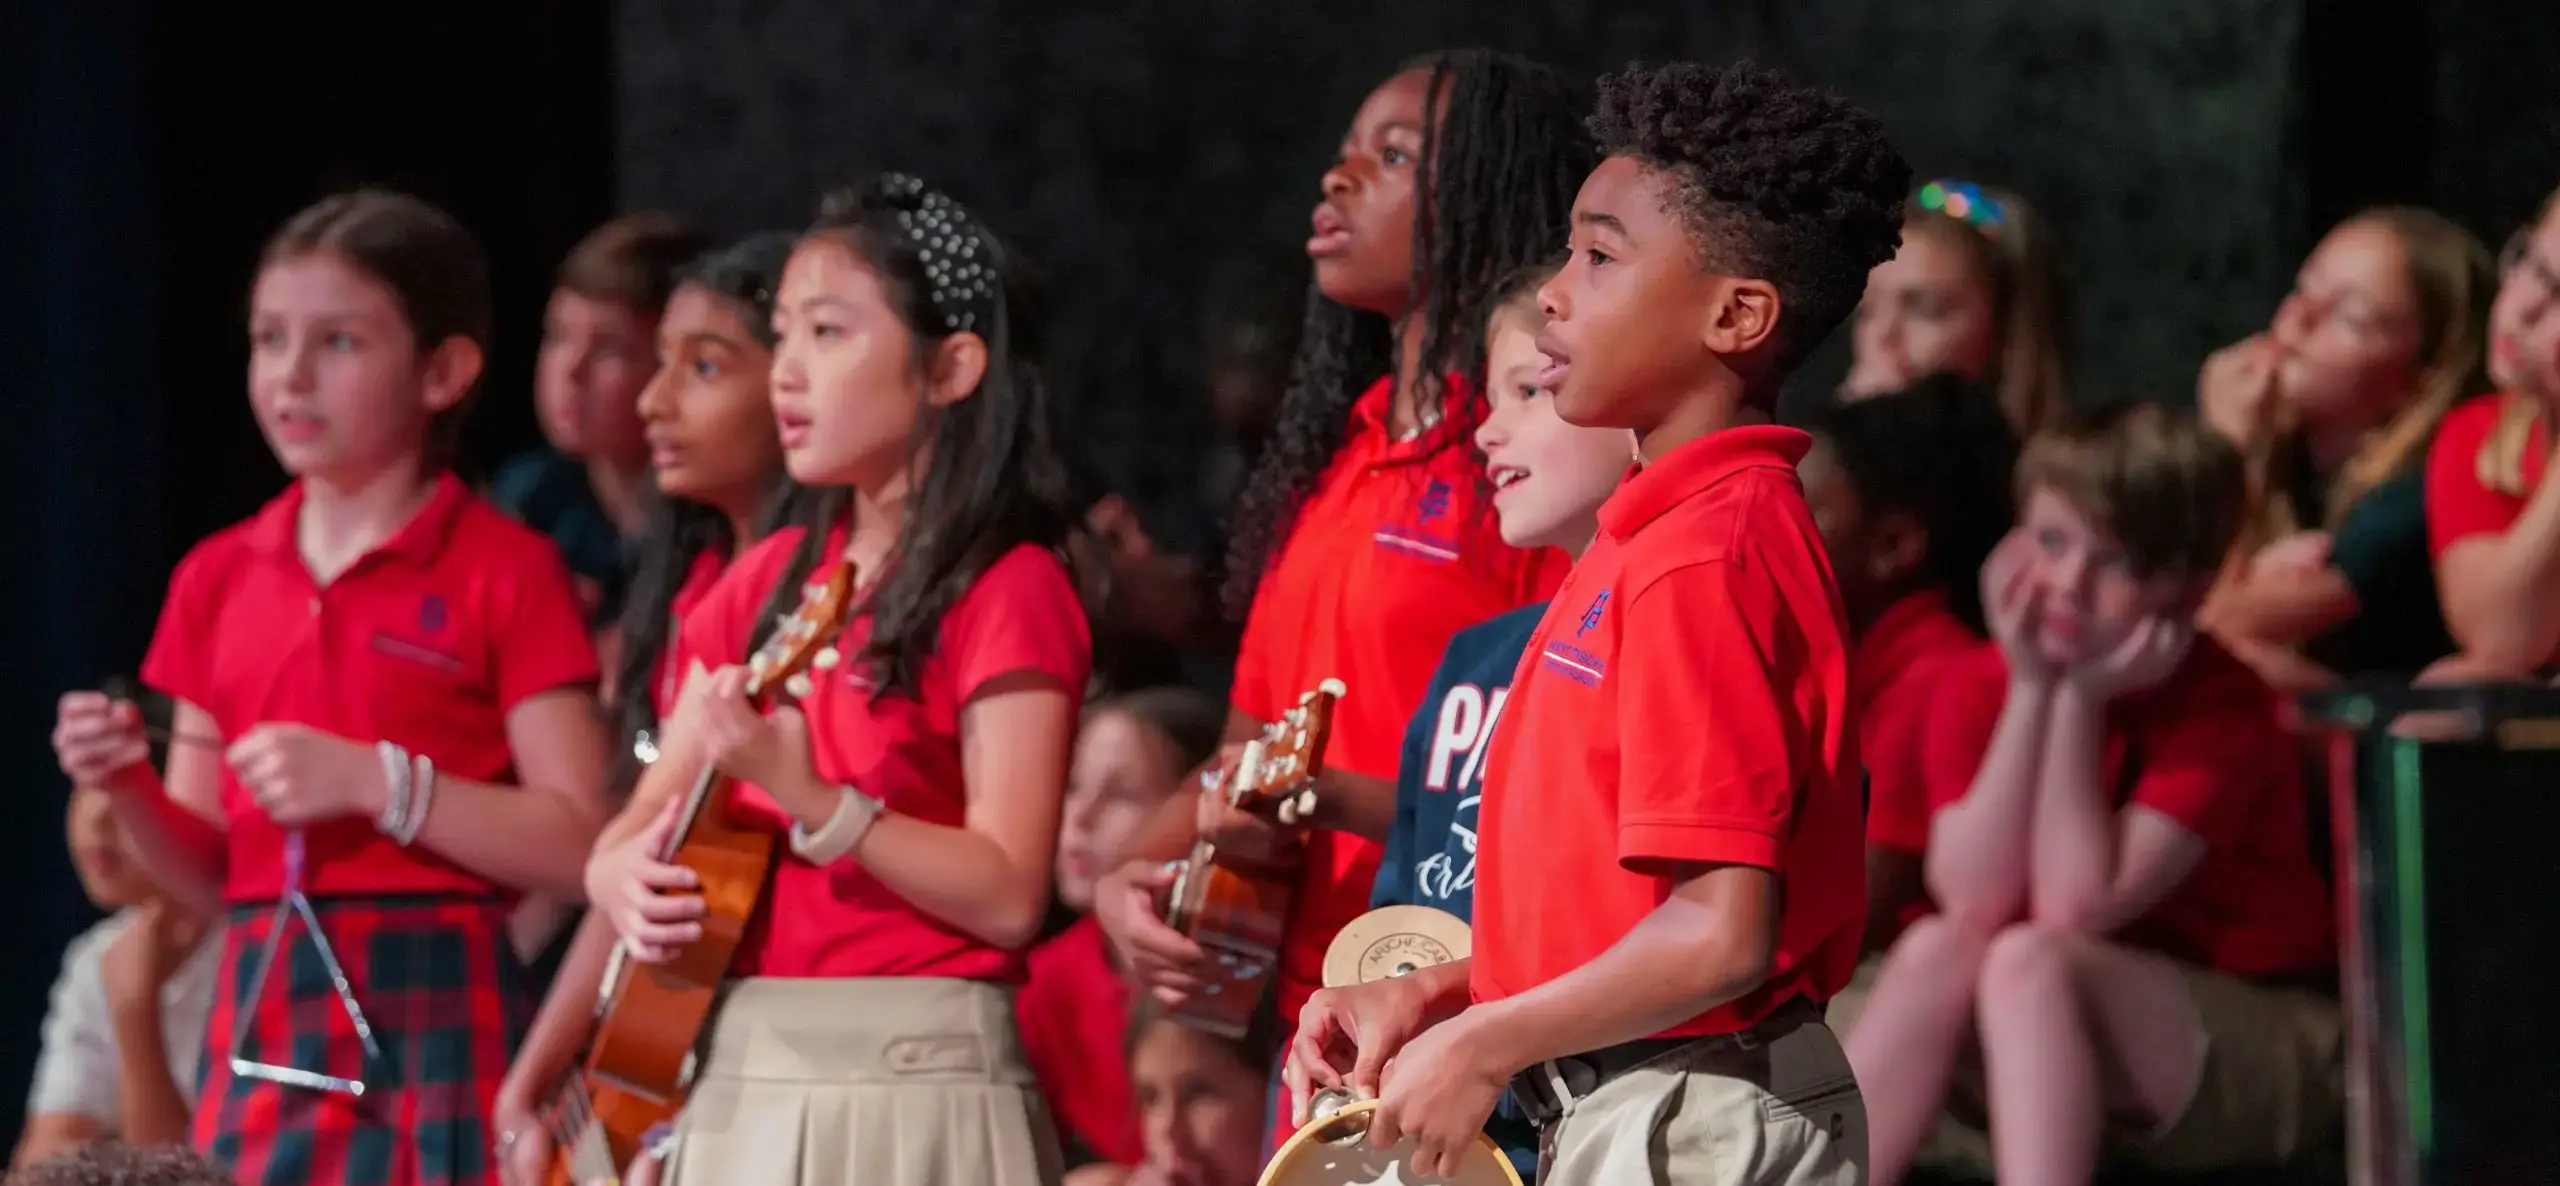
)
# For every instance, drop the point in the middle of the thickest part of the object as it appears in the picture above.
(1364, 537)
(867, 1033)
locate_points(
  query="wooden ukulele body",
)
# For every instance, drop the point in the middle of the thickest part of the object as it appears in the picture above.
(1237, 912)
(1237, 908)
(652, 1020)
(641, 1063)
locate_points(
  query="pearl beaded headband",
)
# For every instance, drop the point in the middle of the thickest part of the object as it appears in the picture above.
(956, 259)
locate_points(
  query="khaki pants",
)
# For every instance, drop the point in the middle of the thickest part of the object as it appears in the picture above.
(1782, 1111)
(894, 1081)
(2273, 1090)
(2274, 1084)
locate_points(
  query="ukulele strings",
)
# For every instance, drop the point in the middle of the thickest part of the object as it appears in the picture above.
(571, 1114)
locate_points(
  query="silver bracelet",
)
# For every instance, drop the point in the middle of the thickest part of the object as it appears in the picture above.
(842, 833)
(422, 782)
(395, 780)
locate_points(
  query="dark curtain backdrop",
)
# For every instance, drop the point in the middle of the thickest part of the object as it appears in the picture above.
(151, 147)
(1160, 156)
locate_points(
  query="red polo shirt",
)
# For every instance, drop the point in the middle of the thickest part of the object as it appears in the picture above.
(1685, 702)
(1022, 614)
(1074, 1016)
(2458, 506)
(699, 578)
(429, 640)
(1395, 551)
(1893, 675)
(2205, 748)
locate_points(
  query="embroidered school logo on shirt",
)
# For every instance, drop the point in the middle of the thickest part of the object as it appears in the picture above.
(435, 616)
(1574, 662)
(1416, 539)
(1591, 617)
(1435, 501)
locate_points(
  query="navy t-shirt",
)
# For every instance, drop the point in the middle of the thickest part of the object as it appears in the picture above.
(548, 491)
(1431, 851)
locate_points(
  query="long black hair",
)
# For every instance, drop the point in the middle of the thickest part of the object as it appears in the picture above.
(676, 531)
(995, 481)
(1500, 168)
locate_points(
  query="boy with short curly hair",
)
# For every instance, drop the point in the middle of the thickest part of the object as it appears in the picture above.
(1670, 870)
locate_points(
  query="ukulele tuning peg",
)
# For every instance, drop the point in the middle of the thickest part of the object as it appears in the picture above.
(1333, 688)
(1288, 812)
(1305, 803)
(758, 665)
(798, 685)
(826, 659)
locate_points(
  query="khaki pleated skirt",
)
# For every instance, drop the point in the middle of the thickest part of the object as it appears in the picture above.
(896, 1081)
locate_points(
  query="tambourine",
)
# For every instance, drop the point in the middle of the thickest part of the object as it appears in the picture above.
(1394, 941)
(1333, 1150)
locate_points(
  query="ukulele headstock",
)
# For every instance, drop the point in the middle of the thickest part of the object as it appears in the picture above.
(804, 640)
(1278, 769)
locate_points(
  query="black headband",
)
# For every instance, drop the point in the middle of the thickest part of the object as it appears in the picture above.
(951, 248)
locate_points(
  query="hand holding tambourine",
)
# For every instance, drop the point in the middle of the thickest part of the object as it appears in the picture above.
(1333, 1150)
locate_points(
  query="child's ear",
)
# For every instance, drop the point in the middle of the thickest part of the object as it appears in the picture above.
(1742, 317)
(451, 368)
(958, 365)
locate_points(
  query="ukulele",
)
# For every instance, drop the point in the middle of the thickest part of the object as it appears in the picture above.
(650, 1018)
(1237, 910)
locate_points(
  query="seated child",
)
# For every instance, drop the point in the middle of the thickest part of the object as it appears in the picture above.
(1131, 754)
(2493, 524)
(2118, 846)
(126, 1026)
(1549, 479)
(1910, 491)
(1202, 1101)
(114, 1163)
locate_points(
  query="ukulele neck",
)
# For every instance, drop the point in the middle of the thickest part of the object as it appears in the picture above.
(705, 785)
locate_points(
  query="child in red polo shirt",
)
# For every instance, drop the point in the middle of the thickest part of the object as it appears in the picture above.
(1365, 535)
(384, 709)
(1132, 753)
(1911, 490)
(868, 1032)
(717, 482)
(2493, 524)
(1549, 480)
(2132, 916)
(1668, 867)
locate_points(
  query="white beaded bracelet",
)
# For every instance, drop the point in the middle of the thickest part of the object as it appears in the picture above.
(395, 781)
(842, 833)
(422, 795)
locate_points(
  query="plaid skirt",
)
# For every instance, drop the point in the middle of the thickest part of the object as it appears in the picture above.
(447, 1003)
